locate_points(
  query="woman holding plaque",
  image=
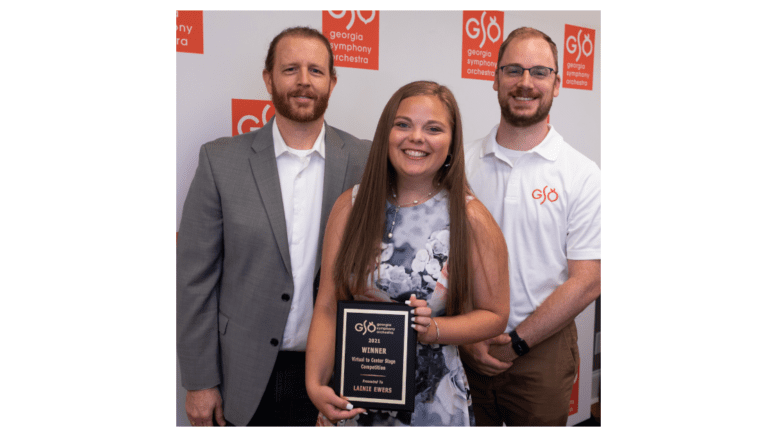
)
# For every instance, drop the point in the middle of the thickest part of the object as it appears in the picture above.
(412, 232)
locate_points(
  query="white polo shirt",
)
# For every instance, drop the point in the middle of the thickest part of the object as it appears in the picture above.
(301, 174)
(548, 206)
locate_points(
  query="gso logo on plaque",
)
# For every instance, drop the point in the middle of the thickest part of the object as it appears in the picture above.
(578, 57)
(250, 115)
(354, 36)
(481, 38)
(188, 33)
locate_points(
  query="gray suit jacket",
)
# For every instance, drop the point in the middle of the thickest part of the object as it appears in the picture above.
(234, 281)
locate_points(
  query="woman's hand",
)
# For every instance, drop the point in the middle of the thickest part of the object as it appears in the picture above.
(332, 406)
(422, 320)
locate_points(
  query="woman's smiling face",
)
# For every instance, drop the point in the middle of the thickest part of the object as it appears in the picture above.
(420, 137)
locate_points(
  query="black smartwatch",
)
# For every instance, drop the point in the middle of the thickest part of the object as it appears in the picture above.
(519, 345)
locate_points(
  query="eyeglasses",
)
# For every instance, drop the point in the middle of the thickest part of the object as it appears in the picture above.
(515, 71)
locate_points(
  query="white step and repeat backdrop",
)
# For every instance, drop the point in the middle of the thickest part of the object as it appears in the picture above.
(220, 92)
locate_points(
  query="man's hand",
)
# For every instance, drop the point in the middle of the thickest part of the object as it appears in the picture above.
(501, 348)
(477, 355)
(201, 406)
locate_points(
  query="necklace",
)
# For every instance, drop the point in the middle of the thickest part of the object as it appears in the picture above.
(398, 206)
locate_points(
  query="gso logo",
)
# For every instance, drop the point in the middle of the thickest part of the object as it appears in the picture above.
(250, 115)
(473, 31)
(188, 32)
(579, 45)
(365, 327)
(254, 119)
(544, 195)
(481, 35)
(355, 43)
(574, 45)
(353, 17)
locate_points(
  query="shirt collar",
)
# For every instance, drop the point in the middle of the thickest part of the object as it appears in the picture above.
(549, 147)
(281, 147)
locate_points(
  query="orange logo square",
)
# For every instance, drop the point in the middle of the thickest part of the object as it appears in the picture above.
(575, 397)
(354, 36)
(250, 115)
(481, 38)
(188, 32)
(578, 66)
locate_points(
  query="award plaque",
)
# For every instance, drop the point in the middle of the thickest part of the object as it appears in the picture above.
(375, 355)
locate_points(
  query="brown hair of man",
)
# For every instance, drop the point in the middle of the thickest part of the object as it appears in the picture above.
(366, 224)
(527, 33)
(305, 32)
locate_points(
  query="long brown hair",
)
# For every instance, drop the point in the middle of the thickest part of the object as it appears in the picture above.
(364, 230)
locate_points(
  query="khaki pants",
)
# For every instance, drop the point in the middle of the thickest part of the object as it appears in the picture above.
(535, 391)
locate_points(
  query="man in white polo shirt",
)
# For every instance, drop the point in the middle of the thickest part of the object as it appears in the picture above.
(545, 196)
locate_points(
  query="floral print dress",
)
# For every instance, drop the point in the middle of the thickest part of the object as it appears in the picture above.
(414, 261)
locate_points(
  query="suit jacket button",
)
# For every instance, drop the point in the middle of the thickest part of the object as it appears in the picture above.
(274, 342)
(285, 297)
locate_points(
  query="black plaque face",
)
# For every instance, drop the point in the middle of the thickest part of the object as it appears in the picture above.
(375, 355)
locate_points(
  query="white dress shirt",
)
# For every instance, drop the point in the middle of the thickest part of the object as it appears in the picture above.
(301, 174)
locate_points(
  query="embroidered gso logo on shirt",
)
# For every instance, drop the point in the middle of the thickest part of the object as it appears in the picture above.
(544, 194)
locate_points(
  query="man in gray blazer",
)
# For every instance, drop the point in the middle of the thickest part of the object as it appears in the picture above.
(249, 246)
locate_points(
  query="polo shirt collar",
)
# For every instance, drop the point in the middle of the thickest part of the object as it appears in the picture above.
(549, 147)
(281, 147)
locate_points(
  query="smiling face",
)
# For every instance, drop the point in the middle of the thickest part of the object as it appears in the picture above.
(300, 83)
(420, 138)
(526, 101)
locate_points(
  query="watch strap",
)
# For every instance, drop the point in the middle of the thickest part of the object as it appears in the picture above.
(519, 345)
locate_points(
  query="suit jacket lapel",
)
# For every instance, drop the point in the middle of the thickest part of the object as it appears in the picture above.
(335, 167)
(265, 172)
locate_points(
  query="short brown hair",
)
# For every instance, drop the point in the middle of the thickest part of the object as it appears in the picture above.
(305, 32)
(526, 33)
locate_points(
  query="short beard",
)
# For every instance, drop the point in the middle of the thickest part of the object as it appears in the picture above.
(523, 121)
(284, 108)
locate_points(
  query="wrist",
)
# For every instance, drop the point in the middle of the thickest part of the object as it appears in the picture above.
(519, 345)
(436, 331)
(431, 335)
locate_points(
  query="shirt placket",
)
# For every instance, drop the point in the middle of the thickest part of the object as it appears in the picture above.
(300, 202)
